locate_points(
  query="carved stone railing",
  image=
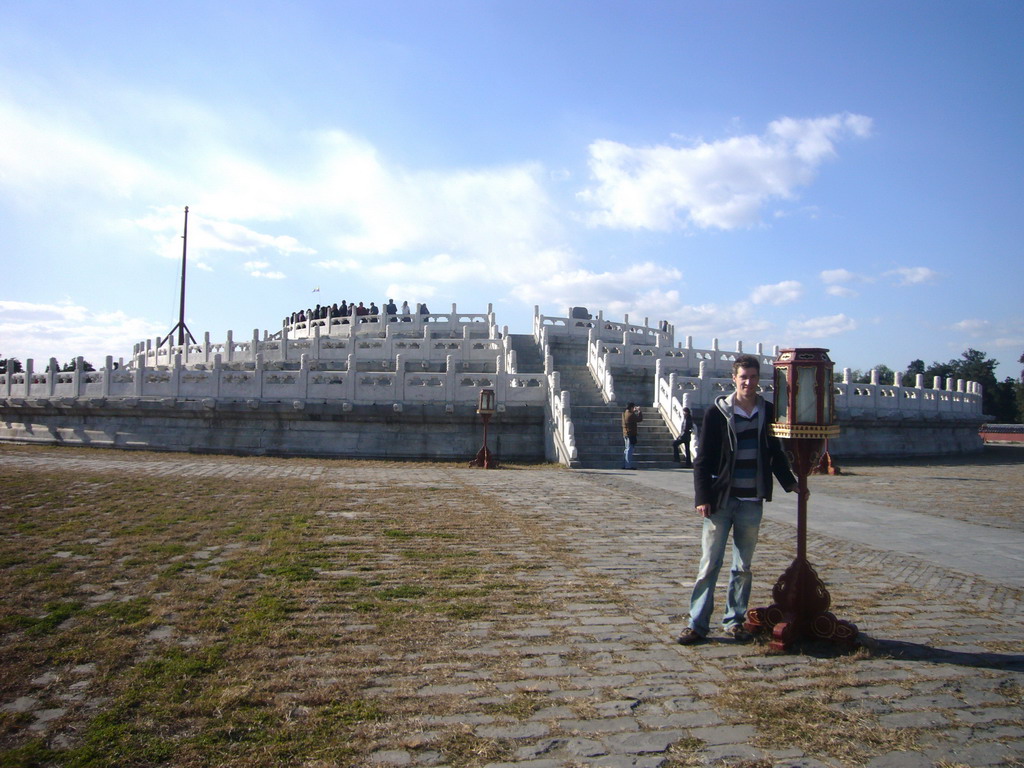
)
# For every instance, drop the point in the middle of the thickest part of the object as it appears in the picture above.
(605, 359)
(581, 328)
(468, 337)
(397, 383)
(945, 399)
(561, 431)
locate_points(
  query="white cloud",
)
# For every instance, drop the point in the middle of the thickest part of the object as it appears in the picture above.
(833, 276)
(39, 153)
(913, 275)
(721, 184)
(327, 187)
(972, 325)
(785, 292)
(821, 327)
(259, 269)
(639, 285)
(836, 282)
(67, 330)
(1001, 339)
(339, 265)
(208, 238)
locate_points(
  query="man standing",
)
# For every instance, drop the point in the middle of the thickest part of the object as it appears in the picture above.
(684, 440)
(732, 478)
(630, 418)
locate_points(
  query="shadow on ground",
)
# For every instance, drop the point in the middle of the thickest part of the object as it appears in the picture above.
(900, 649)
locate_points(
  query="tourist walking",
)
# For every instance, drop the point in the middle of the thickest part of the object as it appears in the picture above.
(684, 440)
(732, 478)
(630, 418)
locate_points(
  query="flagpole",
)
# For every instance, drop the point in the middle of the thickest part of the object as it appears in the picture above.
(181, 328)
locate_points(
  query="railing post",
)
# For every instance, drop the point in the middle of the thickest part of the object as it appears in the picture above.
(449, 380)
(218, 372)
(77, 379)
(176, 374)
(108, 372)
(258, 372)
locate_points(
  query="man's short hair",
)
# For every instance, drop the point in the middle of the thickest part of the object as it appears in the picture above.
(746, 361)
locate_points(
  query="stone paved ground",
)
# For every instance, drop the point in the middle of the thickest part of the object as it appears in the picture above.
(985, 487)
(940, 682)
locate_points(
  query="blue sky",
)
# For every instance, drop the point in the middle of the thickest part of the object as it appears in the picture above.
(845, 175)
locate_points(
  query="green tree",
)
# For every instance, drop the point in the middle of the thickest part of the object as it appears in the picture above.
(910, 377)
(1019, 388)
(86, 365)
(10, 365)
(1005, 402)
(974, 365)
(885, 374)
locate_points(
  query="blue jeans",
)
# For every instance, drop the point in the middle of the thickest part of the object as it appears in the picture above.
(744, 518)
(627, 460)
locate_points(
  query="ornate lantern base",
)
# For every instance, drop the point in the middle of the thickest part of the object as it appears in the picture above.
(800, 611)
(484, 457)
(801, 602)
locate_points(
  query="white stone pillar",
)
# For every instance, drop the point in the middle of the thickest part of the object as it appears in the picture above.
(218, 373)
(108, 370)
(449, 379)
(176, 370)
(399, 379)
(657, 382)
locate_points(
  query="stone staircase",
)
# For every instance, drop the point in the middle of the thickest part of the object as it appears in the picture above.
(598, 425)
(529, 358)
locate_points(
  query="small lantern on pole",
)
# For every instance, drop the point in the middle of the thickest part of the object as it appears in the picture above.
(804, 420)
(486, 408)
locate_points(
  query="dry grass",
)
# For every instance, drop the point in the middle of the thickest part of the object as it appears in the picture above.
(220, 622)
(814, 715)
(266, 622)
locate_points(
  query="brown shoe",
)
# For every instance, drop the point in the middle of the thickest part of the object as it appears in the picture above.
(690, 636)
(738, 633)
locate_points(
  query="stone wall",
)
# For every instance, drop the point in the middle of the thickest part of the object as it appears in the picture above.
(428, 432)
(868, 438)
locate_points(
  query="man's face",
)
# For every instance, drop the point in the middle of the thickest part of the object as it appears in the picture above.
(746, 380)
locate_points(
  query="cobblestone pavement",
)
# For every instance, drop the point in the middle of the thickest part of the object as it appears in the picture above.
(943, 666)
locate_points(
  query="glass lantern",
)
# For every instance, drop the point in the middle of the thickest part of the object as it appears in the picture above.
(804, 395)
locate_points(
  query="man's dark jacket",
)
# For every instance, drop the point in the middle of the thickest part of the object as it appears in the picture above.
(716, 453)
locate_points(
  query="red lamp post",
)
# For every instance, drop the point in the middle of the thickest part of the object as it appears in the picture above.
(804, 420)
(486, 408)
